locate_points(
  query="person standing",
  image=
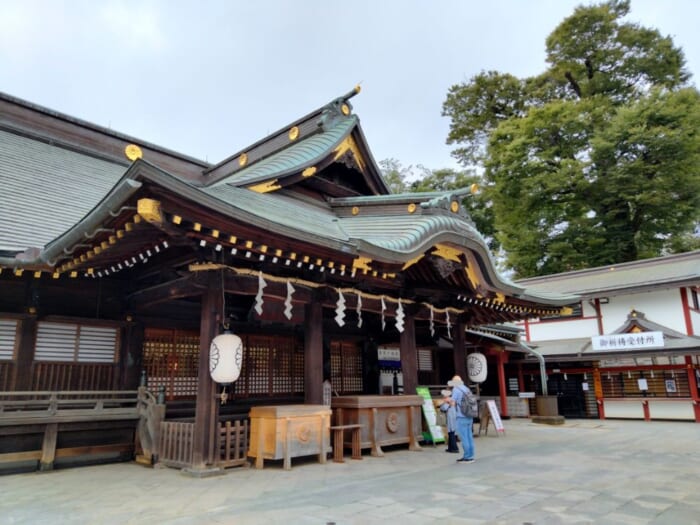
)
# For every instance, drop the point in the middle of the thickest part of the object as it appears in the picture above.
(447, 406)
(464, 422)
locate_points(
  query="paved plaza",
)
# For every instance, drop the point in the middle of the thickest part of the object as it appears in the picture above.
(601, 472)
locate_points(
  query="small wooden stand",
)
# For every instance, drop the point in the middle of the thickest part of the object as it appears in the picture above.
(487, 417)
(339, 441)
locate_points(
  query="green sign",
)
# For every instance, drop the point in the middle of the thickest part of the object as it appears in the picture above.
(434, 433)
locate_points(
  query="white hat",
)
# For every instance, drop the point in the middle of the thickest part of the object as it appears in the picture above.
(445, 393)
(455, 381)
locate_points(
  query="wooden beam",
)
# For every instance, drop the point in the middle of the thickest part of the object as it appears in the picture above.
(187, 286)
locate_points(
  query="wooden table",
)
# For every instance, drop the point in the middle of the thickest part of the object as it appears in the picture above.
(385, 420)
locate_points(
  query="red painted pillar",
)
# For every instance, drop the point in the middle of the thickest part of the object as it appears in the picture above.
(502, 359)
(693, 384)
(645, 407)
(598, 389)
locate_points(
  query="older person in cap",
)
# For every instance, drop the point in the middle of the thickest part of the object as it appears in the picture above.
(464, 422)
(447, 406)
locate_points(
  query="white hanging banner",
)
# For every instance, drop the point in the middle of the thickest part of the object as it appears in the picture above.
(359, 311)
(383, 308)
(340, 309)
(399, 317)
(449, 325)
(288, 301)
(432, 322)
(259, 297)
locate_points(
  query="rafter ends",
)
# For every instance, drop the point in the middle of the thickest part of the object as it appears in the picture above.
(150, 211)
(349, 144)
(447, 252)
(413, 261)
(362, 263)
(266, 187)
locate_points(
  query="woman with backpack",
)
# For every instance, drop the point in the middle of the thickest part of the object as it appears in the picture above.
(464, 401)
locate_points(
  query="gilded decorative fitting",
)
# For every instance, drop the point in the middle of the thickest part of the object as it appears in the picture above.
(308, 172)
(243, 160)
(150, 210)
(133, 152)
(355, 210)
(454, 206)
(474, 188)
(37, 274)
(177, 219)
(197, 227)
(293, 133)
(215, 234)
(345, 109)
(411, 208)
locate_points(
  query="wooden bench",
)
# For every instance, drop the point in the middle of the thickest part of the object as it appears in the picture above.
(338, 441)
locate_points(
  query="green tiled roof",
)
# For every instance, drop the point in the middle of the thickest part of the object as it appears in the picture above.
(293, 158)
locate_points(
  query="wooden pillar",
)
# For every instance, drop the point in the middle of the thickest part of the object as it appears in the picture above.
(458, 349)
(409, 355)
(207, 408)
(693, 384)
(131, 355)
(598, 390)
(313, 354)
(502, 360)
(25, 353)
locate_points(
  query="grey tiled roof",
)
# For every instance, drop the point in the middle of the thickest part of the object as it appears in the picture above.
(647, 273)
(46, 189)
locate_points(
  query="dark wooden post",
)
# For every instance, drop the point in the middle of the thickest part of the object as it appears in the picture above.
(131, 355)
(207, 409)
(409, 355)
(458, 349)
(313, 354)
(25, 353)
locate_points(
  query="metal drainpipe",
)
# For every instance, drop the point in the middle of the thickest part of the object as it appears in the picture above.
(543, 369)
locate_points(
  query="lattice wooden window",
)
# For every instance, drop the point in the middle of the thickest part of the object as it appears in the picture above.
(624, 384)
(272, 366)
(346, 367)
(425, 360)
(171, 359)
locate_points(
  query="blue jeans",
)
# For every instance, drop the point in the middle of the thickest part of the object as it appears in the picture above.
(464, 430)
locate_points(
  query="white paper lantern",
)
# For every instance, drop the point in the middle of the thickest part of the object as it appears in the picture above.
(225, 358)
(476, 367)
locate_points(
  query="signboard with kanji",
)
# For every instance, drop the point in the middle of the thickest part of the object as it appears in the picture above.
(635, 341)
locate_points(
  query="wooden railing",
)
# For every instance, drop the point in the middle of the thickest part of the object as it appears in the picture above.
(177, 442)
(73, 376)
(6, 369)
(25, 413)
(233, 444)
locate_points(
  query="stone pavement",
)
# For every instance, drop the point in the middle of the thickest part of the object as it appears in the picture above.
(601, 472)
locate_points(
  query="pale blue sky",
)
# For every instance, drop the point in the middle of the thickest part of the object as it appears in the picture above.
(207, 78)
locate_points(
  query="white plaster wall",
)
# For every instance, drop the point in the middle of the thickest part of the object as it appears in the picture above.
(695, 319)
(548, 330)
(662, 307)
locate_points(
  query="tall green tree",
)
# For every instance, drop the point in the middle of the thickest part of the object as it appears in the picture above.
(596, 160)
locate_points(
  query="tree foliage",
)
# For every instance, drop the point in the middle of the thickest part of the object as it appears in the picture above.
(596, 160)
